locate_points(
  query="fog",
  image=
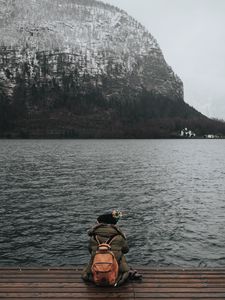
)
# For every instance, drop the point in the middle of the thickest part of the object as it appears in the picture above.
(191, 34)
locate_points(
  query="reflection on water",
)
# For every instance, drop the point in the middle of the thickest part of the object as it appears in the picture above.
(172, 193)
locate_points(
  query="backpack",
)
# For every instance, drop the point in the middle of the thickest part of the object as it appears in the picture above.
(105, 267)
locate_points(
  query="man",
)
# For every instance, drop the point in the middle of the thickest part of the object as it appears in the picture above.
(104, 230)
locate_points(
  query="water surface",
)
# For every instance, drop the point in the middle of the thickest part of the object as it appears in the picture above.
(172, 193)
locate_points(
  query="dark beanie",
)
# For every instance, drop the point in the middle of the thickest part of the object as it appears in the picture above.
(108, 218)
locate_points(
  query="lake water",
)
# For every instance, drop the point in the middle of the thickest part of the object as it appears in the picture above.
(172, 193)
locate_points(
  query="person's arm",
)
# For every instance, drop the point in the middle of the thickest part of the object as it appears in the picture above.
(92, 246)
(125, 247)
(89, 246)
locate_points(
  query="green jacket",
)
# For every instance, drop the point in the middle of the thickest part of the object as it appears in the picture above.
(119, 245)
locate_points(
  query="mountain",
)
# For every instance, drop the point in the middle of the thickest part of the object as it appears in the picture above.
(83, 68)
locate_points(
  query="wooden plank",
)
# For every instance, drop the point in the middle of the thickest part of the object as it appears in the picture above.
(68, 290)
(78, 295)
(31, 297)
(40, 275)
(111, 295)
(149, 269)
(113, 290)
(67, 298)
(45, 284)
(91, 286)
(180, 280)
(63, 283)
(127, 298)
(184, 297)
(180, 290)
(146, 276)
(143, 271)
(71, 280)
(222, 272)
(5, 280)
(171, 270)
(130, 298)
(180, 295)
(183, 275)
(40, 271)
(179, 284)
(62, 269)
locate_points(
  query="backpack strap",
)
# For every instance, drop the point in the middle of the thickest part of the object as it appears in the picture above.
(108, 241)
(97, 240)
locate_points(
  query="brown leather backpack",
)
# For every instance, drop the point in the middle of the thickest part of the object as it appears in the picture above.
(105, 269)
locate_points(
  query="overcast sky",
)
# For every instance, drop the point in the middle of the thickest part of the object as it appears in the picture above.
(191, 34)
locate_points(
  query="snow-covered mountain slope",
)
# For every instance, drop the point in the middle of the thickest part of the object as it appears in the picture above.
(82, 68)
(42, 40)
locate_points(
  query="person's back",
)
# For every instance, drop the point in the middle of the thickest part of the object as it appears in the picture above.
(105, 230)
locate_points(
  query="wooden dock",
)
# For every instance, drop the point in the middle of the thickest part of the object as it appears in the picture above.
(65, 283)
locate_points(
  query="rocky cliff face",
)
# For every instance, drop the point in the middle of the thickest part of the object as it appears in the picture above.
(77, 54)
(46, 39)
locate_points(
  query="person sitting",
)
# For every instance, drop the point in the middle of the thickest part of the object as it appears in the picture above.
(104, 231)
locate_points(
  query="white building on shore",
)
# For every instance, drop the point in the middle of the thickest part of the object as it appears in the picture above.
(187, 133)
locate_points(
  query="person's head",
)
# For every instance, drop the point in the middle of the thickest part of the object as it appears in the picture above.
(110, 218)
